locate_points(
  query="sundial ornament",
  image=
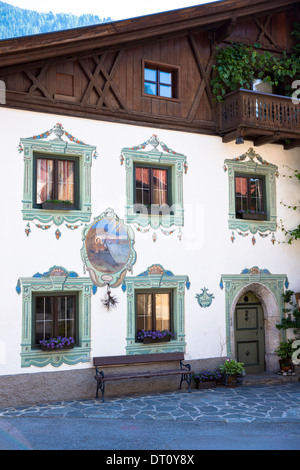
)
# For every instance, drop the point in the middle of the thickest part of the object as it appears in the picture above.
(107, 250)
(204, 298)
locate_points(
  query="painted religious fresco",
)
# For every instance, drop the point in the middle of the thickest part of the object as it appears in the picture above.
(108, 249)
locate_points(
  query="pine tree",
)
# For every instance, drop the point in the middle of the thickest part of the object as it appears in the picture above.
(16, 22)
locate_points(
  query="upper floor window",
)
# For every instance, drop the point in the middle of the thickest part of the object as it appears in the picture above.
(154, 185)
(56, 179)
(250, 196)
(160, 80)
(151, 186)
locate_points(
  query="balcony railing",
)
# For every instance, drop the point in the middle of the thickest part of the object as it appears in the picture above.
(259, 116)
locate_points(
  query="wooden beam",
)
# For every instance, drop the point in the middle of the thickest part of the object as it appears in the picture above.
(267, 139)
(222, 33)
(231, 136)
(28, 49)
(204, 74)
(292, 145)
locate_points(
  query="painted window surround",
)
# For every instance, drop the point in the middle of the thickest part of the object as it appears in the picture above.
(156, 277)
(57, 147)
(246, 165)
(254, 279)
(177, 164)
(56, 280)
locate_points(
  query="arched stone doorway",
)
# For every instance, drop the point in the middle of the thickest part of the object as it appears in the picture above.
(268, 289)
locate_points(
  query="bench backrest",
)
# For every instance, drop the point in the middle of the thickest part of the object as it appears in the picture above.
(137, 358)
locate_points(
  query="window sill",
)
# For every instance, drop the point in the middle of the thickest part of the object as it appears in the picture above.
(39, 358)
(142, 348)
(253, 226)
(164, 98)
(57, 216)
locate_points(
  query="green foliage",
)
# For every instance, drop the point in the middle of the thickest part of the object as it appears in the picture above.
(231, 367)
(292, 234)
(238, 65)
(291, 313)
(285, 350)
(59, 201)
(16, 22)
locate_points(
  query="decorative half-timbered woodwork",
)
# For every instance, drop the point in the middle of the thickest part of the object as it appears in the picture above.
(99, 72)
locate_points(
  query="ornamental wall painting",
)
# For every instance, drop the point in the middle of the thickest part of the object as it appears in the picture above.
(252, 210)
(154, 187)
(57, 180)
(107, 250)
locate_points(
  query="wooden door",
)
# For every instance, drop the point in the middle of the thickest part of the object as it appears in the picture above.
(249, 333)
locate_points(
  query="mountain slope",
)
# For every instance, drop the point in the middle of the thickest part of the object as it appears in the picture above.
(16, 22)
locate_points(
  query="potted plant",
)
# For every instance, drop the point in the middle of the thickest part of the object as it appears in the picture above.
(206, 379)
(149, 336)
(285, 351)
(54, 344)
(232, 372)
(57, 204)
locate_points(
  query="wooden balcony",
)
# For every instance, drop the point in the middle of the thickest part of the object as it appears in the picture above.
(260, 117)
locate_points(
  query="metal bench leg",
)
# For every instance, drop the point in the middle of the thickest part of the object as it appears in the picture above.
(188, 379)
(100, 383)
(101, 386)
(102, 390)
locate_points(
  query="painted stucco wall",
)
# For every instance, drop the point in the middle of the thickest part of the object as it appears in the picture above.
(204, 253)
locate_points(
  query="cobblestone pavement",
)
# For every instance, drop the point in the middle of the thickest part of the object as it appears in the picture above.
(264, 403)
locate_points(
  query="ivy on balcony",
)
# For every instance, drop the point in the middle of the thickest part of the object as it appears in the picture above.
(238, 65)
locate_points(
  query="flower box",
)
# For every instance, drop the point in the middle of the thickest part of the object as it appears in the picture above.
(205, 385)
(57, 206)
(57, 348)
(148, 340)
(149, 336)
(253, 215)
(57, 344)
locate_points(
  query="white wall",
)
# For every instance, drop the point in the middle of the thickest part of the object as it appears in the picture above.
(204, 253)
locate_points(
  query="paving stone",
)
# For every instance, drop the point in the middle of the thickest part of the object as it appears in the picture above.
(269, 403)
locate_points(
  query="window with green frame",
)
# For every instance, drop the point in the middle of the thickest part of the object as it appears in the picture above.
(56, 170)
(252, 193)
(56, 178)
(154, 310)
(54, 315)
(154, 185)
(155, 302)
(250, 197)
(55, 303)
(152, 188)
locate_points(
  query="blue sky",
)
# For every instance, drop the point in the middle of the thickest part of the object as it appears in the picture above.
(115, 9)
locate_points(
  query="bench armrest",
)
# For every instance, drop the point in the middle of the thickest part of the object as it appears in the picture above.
(187, 366)
(99, 372)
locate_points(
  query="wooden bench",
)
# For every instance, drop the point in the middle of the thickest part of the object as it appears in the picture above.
(112, 361)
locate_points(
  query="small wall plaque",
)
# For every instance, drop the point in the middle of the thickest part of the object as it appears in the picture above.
(204, 298)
